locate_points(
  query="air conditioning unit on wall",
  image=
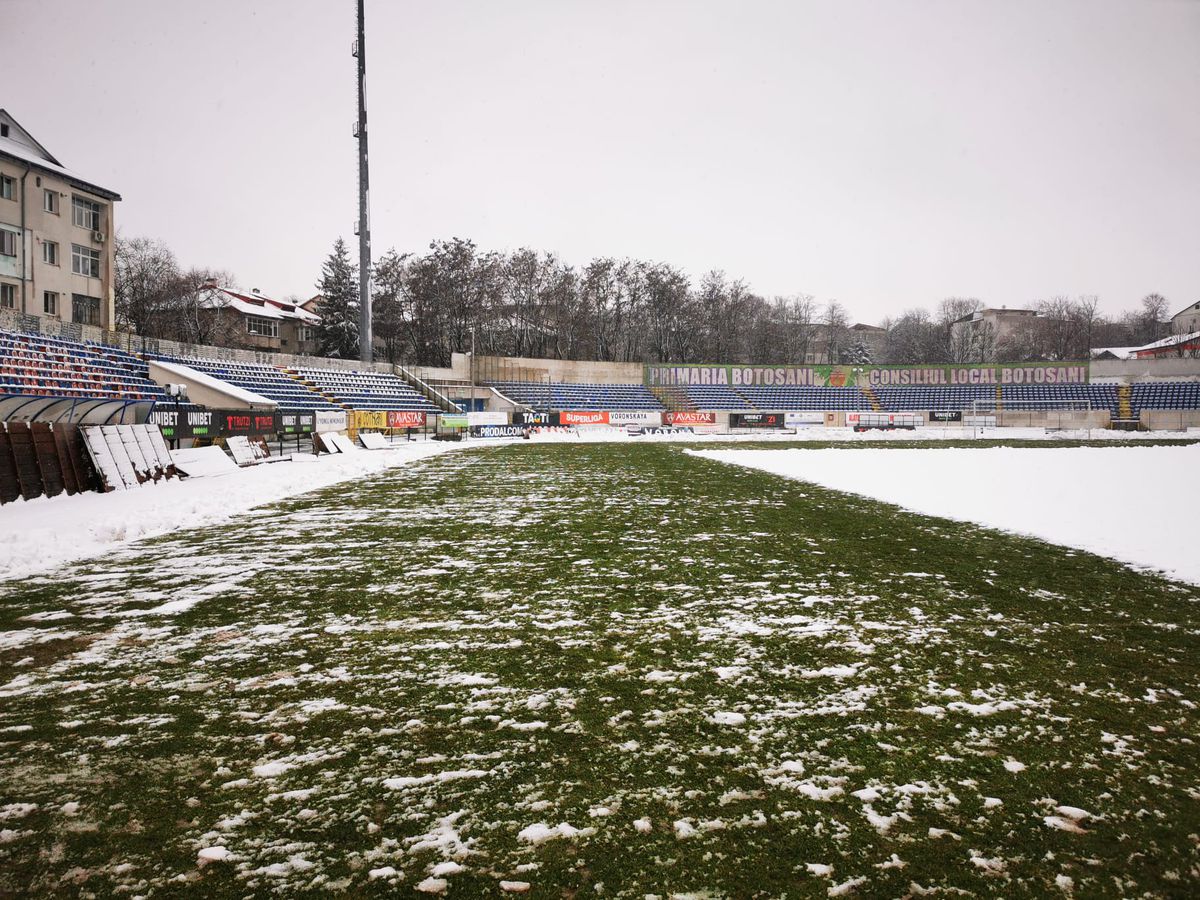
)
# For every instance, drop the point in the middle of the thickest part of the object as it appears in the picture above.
(98, 237)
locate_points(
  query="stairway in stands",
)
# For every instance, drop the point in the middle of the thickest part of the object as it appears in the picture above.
(1124, 404)
(870, 394)
(999, 398)
(316, 390)
(675, 399)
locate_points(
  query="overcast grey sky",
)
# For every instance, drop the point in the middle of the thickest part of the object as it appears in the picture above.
(886, 154)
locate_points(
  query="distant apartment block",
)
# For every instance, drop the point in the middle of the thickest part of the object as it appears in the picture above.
(1187, 320)
(56, 235)
(989, 327)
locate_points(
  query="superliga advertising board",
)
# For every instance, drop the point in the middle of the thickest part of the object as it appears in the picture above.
(867, 376)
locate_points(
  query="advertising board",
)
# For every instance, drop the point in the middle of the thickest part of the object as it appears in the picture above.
(296, 422)
(583, 417)
(330, 420)
(689, 417)
(370, 418)
(756, 420)
(634, 417)
(535, 418)
(498, 431)
(487, 418)
(803, 419)
(407, 418)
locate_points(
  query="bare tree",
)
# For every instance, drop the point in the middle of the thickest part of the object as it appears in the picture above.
(145, 275)
(835, 322)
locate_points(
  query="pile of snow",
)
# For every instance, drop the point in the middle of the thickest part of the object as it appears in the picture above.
(44, 533)
(1135, 504)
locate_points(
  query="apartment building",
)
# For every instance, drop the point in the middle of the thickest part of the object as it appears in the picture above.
(986, 330)
(56, 236)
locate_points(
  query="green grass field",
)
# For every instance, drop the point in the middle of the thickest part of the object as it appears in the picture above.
(598, 670)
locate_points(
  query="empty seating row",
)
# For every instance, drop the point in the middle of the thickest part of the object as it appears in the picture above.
(1164, 395)
(366, 390)
(900, 399)
(561, 395)
(266, 381)
(39, 365)
(1060, 396)
(806, 398)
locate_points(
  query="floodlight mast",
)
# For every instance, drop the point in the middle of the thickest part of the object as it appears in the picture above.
(365, 340)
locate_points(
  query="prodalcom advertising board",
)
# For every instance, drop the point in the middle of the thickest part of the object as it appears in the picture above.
(498, 431)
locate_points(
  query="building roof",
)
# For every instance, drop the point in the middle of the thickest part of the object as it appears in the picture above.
(1168, 343)
(253, 304)
(1191, 307)
(23, 148)
(1113, 352)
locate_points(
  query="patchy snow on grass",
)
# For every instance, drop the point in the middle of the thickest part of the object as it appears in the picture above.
(1134, 504)
(717, 712)
(44, 533)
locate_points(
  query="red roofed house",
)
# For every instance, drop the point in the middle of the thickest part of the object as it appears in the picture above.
(261, 322)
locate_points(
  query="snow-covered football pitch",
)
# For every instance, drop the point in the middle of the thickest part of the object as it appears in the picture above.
(603, 669)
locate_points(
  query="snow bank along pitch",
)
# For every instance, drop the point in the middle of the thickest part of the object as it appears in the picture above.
(44, 533)
(1134, 504)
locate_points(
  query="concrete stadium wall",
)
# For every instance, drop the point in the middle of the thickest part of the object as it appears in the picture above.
(504, 368)
(1127, 371)
(1170, 419)
(1052, 418)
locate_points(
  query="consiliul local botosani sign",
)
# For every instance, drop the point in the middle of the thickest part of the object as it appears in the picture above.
(866, 376)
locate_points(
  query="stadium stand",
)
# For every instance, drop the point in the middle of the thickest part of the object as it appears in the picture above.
(895, 399)
(561, 395)
(267, 381)
(716, 397)
(806, 398)
(1060, 396)
(1165, 395)
(34, 364)
(365, 390)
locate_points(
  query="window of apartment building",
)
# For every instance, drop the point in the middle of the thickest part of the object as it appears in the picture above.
(50, 201)
(8, 243)
(50, 253)
(85, 261)
(50, 303)
(8, 188)
(306, 333)
(86, 213)
(85, 310)
(8, 296)
(262, 327)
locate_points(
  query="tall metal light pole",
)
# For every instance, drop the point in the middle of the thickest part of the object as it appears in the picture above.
(365, 341)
